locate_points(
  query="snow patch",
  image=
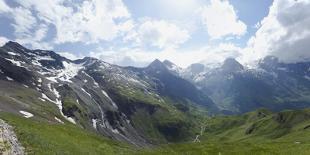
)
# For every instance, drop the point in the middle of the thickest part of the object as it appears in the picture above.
(106, 95)
(59, 120)
(46, 98)
(25, 86)
(94, 123)
(42, 99)
(115, 131)
(10, 79)
(17, 63)
(86, 92)
(36, 63)
(128, 121)
(49, 85)
(45, 58)
(26, 114)
(70, 70)
(59, 105)
(14, 54)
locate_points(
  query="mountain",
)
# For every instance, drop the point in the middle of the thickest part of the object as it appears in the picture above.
(88, 106)
(238, 89)
(231, 65)
(173, 68)
(141, 106)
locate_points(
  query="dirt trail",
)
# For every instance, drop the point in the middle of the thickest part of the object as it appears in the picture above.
(9, 144)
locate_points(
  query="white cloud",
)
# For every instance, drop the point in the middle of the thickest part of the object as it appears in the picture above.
(284, 33)
(183, 58)
(221, 20)
(24, 22)
(28, 31)
(182, 9)
(88, 22)
(3, 40)
(159, 33)
(4, 8)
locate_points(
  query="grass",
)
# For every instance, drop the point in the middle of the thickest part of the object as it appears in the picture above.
(272, 133)
(239, 148)
(228, 135)
(46, 138)
(39, 137)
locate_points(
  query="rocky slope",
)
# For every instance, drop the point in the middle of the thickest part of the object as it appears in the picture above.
(9, 144)
(141, 106)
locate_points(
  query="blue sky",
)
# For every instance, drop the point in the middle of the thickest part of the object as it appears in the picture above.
(135, 32)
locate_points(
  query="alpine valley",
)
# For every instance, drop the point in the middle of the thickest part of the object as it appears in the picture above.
(53, 105)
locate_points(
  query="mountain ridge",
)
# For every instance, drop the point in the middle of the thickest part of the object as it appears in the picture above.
(98, 96)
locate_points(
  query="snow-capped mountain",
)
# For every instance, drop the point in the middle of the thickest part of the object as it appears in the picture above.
(142, 106)
(238, 89)
(137, 105)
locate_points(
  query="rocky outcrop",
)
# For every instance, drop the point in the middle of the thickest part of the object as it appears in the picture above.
(9, 144)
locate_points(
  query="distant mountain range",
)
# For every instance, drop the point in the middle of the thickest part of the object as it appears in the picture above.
(143, 106)
(238, 89)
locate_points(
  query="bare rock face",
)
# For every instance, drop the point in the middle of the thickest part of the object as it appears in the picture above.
(9, 144)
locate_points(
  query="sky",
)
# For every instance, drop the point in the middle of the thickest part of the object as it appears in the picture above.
(135, 32)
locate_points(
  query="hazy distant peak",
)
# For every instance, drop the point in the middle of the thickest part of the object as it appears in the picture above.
(231, 65)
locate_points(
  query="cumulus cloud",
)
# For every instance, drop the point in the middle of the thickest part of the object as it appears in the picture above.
(24, 22)
(140, 57)
(28, 30)
(284, 33)
(4, 8)
(158, 33)
(221, 20)
(89, 21)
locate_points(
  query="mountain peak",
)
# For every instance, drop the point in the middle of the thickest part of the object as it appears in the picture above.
(89, 59)
(168, 63)
(231, 65)
(173, 68)
(156, 62)
(12, 44)
(157, 65)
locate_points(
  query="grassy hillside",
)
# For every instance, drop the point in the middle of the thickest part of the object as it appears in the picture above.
(259, 132)
(40, 137)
